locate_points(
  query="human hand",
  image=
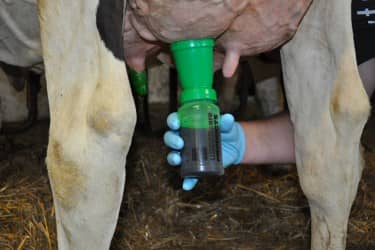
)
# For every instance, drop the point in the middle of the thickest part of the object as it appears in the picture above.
(232, 143)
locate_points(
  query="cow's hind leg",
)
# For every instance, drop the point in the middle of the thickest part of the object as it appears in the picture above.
(329, 108)
(92, 121)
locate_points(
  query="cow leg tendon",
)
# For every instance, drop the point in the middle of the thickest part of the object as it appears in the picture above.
(92, 122)
(329, 108)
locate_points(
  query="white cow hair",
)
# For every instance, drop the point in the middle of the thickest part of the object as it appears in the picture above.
(92, 122)
(329, 107)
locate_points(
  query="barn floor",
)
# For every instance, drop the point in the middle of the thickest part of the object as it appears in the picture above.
(248, 208)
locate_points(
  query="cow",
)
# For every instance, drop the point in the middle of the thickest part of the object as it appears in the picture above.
(19, 45)
(326, 98)
(93, 115)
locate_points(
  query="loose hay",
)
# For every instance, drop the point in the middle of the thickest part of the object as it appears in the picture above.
(246, 209)
(26, 209)
(26, 215)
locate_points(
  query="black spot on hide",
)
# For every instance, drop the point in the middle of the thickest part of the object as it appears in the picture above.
(109, 23)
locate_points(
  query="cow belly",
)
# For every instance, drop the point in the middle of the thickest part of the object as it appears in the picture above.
(19, 33)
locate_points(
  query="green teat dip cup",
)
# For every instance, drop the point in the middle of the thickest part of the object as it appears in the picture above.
(198, 113)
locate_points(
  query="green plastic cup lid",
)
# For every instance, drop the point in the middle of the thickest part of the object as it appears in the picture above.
(194, 63)
(187, 44)
(198, 94)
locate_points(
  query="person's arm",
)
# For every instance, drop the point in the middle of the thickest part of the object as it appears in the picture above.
(269, 141)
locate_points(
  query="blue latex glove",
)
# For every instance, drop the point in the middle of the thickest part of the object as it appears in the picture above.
(232, 142)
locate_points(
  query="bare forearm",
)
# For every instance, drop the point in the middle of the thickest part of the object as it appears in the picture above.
(269, 141)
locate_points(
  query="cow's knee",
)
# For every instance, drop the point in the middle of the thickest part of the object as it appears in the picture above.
(330, 166)
(92, 123)
(349, 105)
(329, 111)
(87, 174)
(330, 161)
(111, 115)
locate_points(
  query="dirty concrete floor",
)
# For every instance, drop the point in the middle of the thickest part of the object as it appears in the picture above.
(248, 208)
